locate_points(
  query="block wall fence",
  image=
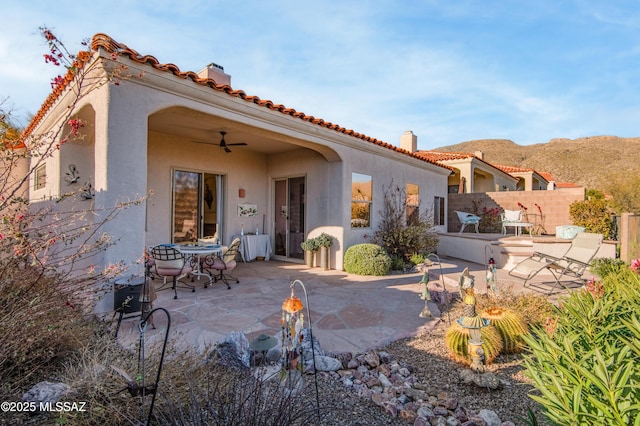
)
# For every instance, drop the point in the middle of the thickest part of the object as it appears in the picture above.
(554, 204)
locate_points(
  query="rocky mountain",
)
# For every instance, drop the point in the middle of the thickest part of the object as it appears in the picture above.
(591, 162)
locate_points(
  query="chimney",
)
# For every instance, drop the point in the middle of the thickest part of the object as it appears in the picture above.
(409, 141)
(216, 73)
(479, 154)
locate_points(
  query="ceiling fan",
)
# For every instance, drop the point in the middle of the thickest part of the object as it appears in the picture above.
(224, 145)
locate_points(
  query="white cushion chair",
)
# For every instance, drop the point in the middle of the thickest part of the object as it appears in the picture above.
(510, 218)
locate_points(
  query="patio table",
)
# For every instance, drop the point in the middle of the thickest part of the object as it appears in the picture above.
(252, 246)
(197, 253)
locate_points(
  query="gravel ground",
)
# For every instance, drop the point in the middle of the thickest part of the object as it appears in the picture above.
(429, 357)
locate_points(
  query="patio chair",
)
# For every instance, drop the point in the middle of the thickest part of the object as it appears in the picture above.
(572, 264)
(168, 262)
(511, 218)
(468, 219)
(218, 266)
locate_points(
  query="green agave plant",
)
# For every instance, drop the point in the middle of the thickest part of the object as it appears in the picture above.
(457, 338)
(510, 326)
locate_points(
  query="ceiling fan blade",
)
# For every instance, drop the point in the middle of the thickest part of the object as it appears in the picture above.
(236, 144)
(227, 150)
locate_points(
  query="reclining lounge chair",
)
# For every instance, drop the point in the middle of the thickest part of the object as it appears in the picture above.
(572, 264)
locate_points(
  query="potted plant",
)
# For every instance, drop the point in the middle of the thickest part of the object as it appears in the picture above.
(324, 242)
(310, 246)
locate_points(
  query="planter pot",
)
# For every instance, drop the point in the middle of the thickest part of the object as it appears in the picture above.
(309, 257)
(324, 258)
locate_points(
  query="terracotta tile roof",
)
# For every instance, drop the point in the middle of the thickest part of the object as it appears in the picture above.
(118, 49)
(513, 169)
(444, 156)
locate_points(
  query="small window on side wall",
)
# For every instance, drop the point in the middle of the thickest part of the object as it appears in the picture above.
(413, 203)
(361, 199)
(40, 177)
(438, 211)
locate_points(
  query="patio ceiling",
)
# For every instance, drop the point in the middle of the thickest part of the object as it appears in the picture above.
(197, 126)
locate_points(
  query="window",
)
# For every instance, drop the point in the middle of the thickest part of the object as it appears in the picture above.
(361, 192)
(40, 179)
(438, 211)
(413, 203)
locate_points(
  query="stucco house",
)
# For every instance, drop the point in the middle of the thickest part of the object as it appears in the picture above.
(471, 173)
(220, 161)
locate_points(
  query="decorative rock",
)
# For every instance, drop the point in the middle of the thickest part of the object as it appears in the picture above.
(226, 354)
(484, 380)
(353, 364)
(325, 363)
(415, 394)
(241, 345)
(490, 417)
(452, 421)
(384, 357)
(440, 411)
(384, 381)
(372, 359)
(508, 423)
(46, 392)
(421, 421)
(408, 416)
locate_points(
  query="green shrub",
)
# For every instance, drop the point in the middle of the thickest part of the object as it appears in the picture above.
(603, 266)
(584, 362)
(594, 215)
(310, 244)
(366, 259)
(324, 240)
(417, 258)
(397, 263)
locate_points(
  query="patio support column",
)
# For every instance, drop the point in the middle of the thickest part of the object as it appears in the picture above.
(121, 173)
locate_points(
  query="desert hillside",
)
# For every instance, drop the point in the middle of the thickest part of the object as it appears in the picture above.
(590, 162)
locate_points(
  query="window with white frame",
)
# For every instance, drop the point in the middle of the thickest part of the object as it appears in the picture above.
(40, 177)
(413, 203)
(361, 199)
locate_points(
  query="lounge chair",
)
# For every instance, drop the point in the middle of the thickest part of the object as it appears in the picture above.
(468, 219)
(573, 263)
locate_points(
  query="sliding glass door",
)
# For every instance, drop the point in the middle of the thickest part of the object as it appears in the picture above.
(289, 214)
(198, 201)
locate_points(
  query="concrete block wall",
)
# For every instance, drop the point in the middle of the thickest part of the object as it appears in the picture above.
(554, 204)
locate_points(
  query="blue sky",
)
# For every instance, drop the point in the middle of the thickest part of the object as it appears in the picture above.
(450, 71)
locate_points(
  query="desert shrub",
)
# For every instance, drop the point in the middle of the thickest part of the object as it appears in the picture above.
(366, 259)
(604, 266)
(212, 394)
(39, 325)
(584, 363)
(490, 219)
(397, 263)
(594, 215)
(417, 258)
(624, 193)
(400, 237)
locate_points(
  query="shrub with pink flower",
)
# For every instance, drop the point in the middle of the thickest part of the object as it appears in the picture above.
(635, 266)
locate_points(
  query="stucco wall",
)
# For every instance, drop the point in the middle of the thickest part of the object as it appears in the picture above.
(167, 153)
